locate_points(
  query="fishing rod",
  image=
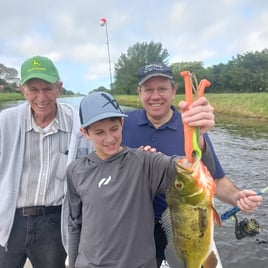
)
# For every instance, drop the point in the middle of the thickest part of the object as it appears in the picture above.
(234, 210)
(246, 227)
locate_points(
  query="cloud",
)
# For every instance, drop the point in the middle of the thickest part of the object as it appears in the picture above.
(69, 32)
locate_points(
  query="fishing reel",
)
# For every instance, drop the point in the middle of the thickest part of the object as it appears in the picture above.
(246, 227)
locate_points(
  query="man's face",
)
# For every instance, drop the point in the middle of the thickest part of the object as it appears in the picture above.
(157, 95)
(42, 96)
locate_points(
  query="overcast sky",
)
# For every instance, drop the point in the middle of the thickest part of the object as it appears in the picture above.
(69, 32)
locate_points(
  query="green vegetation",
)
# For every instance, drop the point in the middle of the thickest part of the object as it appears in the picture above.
(253, 105)
(243, 73)
(11, 96)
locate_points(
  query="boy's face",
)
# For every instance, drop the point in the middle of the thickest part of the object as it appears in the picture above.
(106, 136)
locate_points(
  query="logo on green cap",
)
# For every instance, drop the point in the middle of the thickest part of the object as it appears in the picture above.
(36, 63)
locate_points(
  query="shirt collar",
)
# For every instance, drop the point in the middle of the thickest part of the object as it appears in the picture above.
(172, 123)
(62, 121)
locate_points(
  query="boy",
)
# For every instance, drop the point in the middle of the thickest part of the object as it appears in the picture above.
(110, 193)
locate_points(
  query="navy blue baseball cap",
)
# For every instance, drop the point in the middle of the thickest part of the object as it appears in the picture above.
(154, 69)
(98, 106)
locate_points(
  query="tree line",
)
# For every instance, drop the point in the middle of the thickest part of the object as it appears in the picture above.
(243, 73)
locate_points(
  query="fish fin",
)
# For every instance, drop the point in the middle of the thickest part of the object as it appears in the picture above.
(216, 217)
(211, 261)
(166, 224)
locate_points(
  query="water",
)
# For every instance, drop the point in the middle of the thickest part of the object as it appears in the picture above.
(243, 152)
(242, 148)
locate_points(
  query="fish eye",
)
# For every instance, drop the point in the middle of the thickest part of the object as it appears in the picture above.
(178, 185)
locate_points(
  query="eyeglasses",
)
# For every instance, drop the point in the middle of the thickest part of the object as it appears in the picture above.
(150, 91)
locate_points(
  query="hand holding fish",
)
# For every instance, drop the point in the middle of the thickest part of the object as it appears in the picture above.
(148, 148)
(248, 200)
(199, 114)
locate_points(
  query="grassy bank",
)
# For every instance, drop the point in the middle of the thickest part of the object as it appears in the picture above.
(11, 96)
(19, 96)
(252, 105)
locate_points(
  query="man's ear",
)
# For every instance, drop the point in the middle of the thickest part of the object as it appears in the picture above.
(59, 87)
(21, 87)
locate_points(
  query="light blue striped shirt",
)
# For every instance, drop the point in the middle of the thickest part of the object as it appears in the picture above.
(45, 160)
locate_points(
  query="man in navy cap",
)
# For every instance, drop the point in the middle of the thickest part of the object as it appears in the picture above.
(160, 125)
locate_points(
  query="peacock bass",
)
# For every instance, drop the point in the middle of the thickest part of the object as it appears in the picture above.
(189, 218)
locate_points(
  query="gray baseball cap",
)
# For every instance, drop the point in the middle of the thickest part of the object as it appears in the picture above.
(97, 106)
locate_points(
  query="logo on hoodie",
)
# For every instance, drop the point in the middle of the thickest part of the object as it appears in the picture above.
(104, 181)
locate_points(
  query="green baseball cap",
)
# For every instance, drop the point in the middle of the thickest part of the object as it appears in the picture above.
(39, 67)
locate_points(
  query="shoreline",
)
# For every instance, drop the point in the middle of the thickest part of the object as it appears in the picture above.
(229, 107)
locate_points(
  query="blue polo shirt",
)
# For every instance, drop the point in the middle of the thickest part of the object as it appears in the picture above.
(168, 139)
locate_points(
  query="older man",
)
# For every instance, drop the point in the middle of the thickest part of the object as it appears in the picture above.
(37, 140)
